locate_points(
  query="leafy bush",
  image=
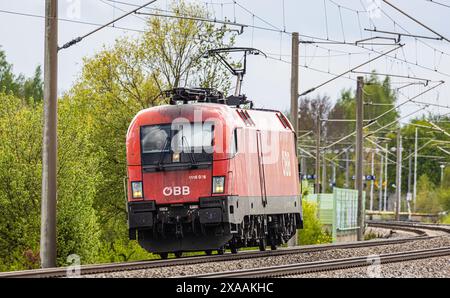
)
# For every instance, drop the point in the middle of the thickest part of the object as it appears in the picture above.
(446, 219)
(312, 232)
(428, 200)
(122, 251)
(20, 185)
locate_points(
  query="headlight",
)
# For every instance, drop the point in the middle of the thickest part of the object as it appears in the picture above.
(176, 157)
(218, 184)
(136, 189)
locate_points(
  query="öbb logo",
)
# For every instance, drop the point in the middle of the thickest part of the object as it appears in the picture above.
(176, 191)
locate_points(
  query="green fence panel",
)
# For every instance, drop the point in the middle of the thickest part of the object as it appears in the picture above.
(338, 210)
(325, 206)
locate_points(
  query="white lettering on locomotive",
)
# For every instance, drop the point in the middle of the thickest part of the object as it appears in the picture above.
(286, 163)
(176, 191)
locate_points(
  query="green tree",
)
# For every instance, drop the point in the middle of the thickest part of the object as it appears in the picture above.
(20, 169)
(379, 98)
(427, 197)
(174, 49)
(7, 78)
(20, 185)
(430, 142)
(33, 88)
(30, 89)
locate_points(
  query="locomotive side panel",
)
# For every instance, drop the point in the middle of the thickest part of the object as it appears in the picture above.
(266, 170)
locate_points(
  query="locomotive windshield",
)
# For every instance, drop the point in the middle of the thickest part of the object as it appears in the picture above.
(196, 137)
(154, 137)
(162, 143)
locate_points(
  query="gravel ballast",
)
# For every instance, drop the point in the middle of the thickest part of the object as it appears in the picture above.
(424, 268)
(194, 269)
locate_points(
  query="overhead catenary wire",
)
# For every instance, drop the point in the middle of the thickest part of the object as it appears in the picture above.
(69, 20)
(308, 67)
(326, 18)
(348, 71)
(415, 20)
(113, 5)
(404, 60)
(399, 34)
(80, 38)
(195, 19)
(438, 3)
(276, 29)
(391, 75)
(372, 123)
(409, 100)
(404, 29)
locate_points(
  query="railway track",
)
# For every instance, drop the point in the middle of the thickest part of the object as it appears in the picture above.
(418, 228)
(302, 268)
(150, 264)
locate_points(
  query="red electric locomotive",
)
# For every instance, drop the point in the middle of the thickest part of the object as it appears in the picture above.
(205, 174)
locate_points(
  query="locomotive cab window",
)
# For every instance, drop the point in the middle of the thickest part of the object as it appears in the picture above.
(193, 137)
(180, 144)
(155, 138)
(234, 142)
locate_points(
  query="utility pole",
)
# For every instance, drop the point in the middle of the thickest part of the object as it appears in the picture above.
(386, 162)
(380, 184)
(415, 169)
(324, 172)
(359, 155)
(409, 172)
(294, 81)
(50, 143)
(294, 101)
(347, 156)
(318, 153)
(304, 166)
(399, 175)
(333, 179)
(372, 172)
(409, 194)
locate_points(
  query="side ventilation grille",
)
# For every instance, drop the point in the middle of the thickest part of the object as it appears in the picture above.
(284, 121)
(245, 116)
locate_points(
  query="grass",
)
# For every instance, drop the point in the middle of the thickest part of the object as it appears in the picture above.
(371, 235)
(446, 220)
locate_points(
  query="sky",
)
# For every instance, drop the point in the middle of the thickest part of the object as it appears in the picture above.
(267, 82)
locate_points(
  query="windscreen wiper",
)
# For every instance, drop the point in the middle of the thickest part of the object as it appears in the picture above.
(191, 154)
(162, 154)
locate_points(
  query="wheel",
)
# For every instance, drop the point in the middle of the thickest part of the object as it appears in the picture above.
(234, 249)
(262, 244)
(178, 254)
(221, 251)
(164, 255)
(208, 252)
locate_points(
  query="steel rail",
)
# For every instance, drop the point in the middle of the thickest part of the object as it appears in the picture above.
(328, 265)
(410, 225)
